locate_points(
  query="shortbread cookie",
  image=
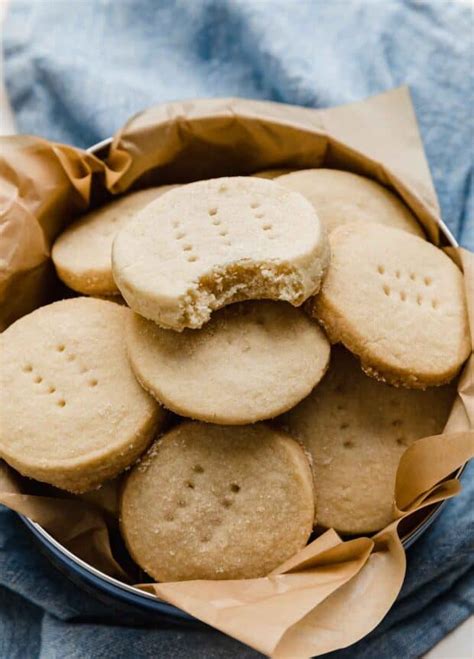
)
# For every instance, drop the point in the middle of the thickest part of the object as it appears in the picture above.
(356, 430)
(341, 197)
(272, 173)
(218, 502)
(251, 361)
(397, 302)
(82, 253)
(211, 243)
(72, 413)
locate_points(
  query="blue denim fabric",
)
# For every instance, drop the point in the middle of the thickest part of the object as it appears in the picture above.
(76, 71)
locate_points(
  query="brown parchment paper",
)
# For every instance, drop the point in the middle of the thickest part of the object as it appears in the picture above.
(333, 592)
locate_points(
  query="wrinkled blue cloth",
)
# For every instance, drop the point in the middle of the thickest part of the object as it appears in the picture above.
(76, 71)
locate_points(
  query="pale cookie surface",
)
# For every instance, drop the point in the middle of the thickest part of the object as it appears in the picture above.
(211, 243)
(82, 254)
(397, 302)
(340, 197)
(251, 361)
(72, 412)
(356, 430)
(218, 502)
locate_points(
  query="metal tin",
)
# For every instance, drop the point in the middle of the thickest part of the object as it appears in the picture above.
(138, 605)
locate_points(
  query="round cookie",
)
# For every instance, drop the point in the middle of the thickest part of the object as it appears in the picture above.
(340, 197)
(251, 361)
(356, 430)
(72, 413)
(397, 302)
(82, 253)
(211, 243)
(272, 173)
(218, 502)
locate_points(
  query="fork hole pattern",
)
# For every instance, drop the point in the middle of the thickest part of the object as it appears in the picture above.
(223, 231)
(82, 368)
(38, 380)
(183, 501)
(403, 295)
(259, 214)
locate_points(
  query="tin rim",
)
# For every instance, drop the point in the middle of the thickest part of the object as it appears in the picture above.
(131, 593)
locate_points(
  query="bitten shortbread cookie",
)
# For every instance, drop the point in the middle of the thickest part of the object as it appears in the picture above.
(82, 254)
(340, 197)
(251, 361)
(397, 302)
(356, 430)
(72, 412)
(211, 243)
(218, 502)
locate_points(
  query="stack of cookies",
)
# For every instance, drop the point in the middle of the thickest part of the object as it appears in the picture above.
(231, 292)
